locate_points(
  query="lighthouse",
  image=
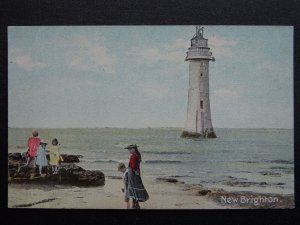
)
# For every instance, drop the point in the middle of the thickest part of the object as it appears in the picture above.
(198, 123)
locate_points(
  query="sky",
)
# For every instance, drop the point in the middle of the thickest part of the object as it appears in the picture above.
(136, 76)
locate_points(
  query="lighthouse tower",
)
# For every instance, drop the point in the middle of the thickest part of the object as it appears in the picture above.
(198, 123)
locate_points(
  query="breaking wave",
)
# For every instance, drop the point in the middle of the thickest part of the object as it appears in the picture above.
(281, 161)
(99, 161)
(163, 161)
(167, 153)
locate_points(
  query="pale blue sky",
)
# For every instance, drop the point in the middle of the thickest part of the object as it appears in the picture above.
(136, 76)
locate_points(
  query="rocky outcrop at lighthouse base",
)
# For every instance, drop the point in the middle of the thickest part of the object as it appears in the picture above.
(186, 134)
(68, 173)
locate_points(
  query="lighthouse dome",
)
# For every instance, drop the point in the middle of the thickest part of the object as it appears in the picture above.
(198, 41)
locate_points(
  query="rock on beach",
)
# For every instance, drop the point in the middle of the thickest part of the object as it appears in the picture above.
(68, 173)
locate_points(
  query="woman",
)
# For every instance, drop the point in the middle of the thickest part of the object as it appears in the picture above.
(136, 189)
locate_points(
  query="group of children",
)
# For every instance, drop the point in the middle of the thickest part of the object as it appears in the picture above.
(36, 153)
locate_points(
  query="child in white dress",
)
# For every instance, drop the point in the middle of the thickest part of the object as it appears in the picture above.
(124, 170)
(41, 159)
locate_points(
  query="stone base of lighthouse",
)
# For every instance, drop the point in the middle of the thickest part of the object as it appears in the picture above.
(187, 134)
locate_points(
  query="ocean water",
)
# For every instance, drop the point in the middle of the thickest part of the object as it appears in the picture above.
(259, 160)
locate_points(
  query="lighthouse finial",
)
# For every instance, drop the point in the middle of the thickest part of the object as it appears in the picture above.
(199, 30)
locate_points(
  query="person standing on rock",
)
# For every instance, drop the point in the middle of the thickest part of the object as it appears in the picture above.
(41, 159)
(33, 145)
(136, 189)
(55, 157)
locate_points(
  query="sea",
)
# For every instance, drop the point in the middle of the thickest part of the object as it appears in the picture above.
(258, 160)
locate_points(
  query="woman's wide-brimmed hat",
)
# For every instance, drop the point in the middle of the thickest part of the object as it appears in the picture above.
(43, 142)
(132, 146)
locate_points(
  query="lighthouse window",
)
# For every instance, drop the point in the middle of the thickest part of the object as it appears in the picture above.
(201, 104)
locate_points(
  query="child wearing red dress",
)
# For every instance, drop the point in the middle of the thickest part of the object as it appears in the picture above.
(33, 145)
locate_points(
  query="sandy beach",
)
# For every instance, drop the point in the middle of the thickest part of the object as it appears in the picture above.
(163, 195)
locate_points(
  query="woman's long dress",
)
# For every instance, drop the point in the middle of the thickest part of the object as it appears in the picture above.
(136, 189)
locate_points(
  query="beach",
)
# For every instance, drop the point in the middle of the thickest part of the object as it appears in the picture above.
(163, 195)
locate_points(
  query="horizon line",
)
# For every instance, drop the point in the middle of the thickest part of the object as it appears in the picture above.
(148, 127)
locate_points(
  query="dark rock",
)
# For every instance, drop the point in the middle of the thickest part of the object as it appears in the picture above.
(167, 179)
(270, 173)
(211, 135)
(204, 192)
(70, 158)
(244, 184)
(68, 173)
(16, 157)
(236, 179)
(34, 203)
(186, 134)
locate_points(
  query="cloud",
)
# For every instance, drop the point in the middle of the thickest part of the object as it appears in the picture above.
(172, 52)
(229, 91)
(220, 41)
(266, 66)
(178, 44)
(155, 91)
(221, 47)
(25, 62)
(90, 55)
(147, 56)
(175, 51)
(280, 73)
(95, 84)
(64, 84)
(174, 56)
(226, 93)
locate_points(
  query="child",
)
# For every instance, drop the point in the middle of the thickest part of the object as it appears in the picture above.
(124, 170)
(55, 156)
(41, 159)
(33, 145)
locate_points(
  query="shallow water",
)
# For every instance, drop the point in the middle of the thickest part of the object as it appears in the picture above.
(235, 157)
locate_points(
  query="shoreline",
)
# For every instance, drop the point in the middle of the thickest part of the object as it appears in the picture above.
(163, 194)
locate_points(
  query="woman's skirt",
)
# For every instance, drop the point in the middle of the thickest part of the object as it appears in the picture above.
(136, 189)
